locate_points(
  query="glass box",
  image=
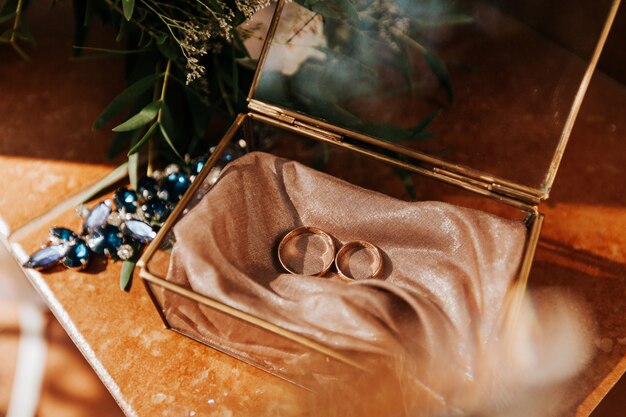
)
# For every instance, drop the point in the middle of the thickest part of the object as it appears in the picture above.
(468, 102)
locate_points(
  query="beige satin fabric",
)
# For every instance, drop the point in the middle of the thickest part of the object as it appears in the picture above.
(441, 292)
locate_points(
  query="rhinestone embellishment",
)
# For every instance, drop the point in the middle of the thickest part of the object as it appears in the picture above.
(119, 228)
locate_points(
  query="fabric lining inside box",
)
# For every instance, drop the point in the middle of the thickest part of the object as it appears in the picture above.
(446, 268)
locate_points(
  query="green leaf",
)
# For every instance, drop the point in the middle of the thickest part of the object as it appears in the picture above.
(89, 10)
(6, 35)
(121, 32)
(238, 43)
(166, 125)
(145, 116)
(123, 99)
(169, 141)
(133, 169)
(121, 140)
(133, 160)
(129, 6)
(106, 53)
(144, 139)
(25, 34)
(126, 273)
(20, 52)
(403, 63)
(438, 67)
(113, 51)
(216, 6)
(247, 63)
(8, 7)
(426, 121)
(167, 48)
(111, 178)
(7, 17)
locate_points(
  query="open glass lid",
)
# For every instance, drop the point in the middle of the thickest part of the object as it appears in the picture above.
(490, 88)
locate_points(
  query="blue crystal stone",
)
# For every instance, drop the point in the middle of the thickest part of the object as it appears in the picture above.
(47, 257)
(147, 187)
(176, 184)
(156, 210)
(78, 255)
(140, 231)
(97, 216)
(105, 240)
(231, 153)
(61, 234)
(196, 166)
(126, 200)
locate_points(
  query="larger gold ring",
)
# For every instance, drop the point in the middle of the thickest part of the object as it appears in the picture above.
(377, 265)
(307, 230)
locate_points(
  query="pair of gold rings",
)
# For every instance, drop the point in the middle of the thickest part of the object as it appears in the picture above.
(329, 256)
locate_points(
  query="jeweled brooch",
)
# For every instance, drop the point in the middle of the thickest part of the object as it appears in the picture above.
(118, 228)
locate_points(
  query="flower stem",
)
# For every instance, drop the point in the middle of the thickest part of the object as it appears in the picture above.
(166, 76)
(134, 21)
(16, 22)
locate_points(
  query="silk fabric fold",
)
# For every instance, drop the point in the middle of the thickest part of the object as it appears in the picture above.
(446, 268)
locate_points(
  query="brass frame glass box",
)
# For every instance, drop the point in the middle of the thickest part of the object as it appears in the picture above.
(497, 137)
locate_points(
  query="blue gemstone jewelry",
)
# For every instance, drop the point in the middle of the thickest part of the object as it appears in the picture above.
(47, 256)
(78, 255)
(118, 228)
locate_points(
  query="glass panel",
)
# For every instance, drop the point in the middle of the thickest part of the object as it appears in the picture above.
(249, 342)
(484, 85)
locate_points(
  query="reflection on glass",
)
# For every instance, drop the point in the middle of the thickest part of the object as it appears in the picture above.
(460, 80)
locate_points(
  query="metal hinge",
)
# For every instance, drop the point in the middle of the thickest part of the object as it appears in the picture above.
(307, 129)
(493, 187)
(515, 195)
(317, 132)
(270, 111)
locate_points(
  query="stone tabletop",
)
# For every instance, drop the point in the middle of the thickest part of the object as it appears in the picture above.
(48, 153)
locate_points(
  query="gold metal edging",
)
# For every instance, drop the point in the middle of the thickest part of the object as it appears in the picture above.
(525, 194)
(529, 251)
(182, 204)
(271, 31)
(142, 263)
(492, 186)
(271, 111)
(515, 190)
(148, 277)
(155, 302)
(516, 294)
(242, 358)
(400, 164)
(249, 318)
(578, 99)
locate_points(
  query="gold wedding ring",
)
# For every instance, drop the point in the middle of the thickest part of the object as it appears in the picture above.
(349, 247)
(283, 248)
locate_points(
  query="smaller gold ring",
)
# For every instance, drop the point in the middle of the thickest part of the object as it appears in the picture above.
(300, 231)
(378, 258)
